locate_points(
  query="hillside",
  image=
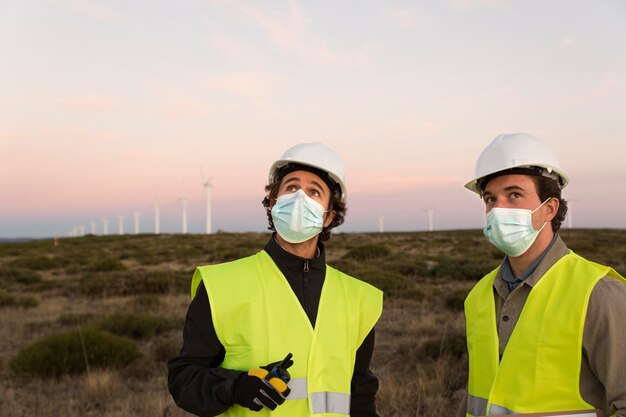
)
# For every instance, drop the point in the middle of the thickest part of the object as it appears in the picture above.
(138, 288)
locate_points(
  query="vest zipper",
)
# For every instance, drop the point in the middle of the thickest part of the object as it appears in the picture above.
(306, 266)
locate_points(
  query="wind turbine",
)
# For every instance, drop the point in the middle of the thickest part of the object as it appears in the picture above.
(431, 213)
(157, 219)
(136, 216)
(120, 224)
(183, 200)
(93, 227)
(207, 186)
(105, 226)
(381, 224)
(569, 213)
(81, 230)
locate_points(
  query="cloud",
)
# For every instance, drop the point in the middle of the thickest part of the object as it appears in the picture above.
(91, 9)
(290, 33)
(462, 5)
(409, 18)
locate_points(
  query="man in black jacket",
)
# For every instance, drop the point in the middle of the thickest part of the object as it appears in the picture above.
(306, 199)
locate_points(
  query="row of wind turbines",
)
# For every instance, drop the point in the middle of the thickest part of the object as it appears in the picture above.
(207, 186)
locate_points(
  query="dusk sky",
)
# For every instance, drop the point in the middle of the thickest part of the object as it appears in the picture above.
(108, 107)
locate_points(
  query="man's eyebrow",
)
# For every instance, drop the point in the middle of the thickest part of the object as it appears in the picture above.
(514, 187)
(509, 188)
(292, 179)
(318, 186)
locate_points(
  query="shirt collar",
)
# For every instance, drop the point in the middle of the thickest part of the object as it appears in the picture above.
(284, 259)
(513, 281)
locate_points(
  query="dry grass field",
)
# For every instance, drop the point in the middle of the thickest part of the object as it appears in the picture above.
(129, 294)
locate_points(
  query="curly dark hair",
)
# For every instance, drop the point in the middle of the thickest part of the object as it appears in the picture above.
(335, 205)
(549, 188)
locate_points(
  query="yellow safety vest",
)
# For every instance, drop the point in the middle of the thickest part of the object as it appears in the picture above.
(258, 319)
(540, 366)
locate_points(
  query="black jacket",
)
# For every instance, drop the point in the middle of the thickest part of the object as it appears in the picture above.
(200, 387)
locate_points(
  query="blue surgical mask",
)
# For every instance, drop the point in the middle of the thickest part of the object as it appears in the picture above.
(511, 230)
(297, 217)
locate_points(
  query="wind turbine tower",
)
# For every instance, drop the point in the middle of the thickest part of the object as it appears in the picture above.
(183, 200)
(569, 213)
(81, 230)
(208, 186)
(157, 219)
(381, 224)
(120, 224)
(93, 227)
(136, 216)
(105, 226)
(431, 212)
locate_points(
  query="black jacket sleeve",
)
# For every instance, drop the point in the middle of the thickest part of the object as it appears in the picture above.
(364, 383)
(194, 379)
(201, 388)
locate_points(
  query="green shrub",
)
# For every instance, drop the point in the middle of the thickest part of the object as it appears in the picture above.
(135, 325)
(11, 300)
(456, 299)
(145, 302)
(39, 263)
(165, 348)
(452, 344)
(63, 353)
(368, 252)
(469, 269)
(389, 282)
(135, 283)
(75, 319)
(106, 265)
(11, 276)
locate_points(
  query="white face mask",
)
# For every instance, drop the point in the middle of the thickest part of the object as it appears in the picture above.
(511, 230)
(297, 217)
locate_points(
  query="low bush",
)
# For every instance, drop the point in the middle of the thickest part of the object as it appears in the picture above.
(451, 344)
(75, 319)
(470, 269)
(136, 325)
(389, 282)
(64, 353)
(12, 276)
(145, 302)
(39, 263)
(11, 300)
(106, 265)
(456, 299)
(165, 348)
(137, 282)
(368, 252)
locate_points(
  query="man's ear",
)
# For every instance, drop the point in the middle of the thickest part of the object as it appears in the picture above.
(551, 208)
(330, 216)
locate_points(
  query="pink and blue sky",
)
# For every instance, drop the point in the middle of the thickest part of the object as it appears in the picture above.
(108, 107)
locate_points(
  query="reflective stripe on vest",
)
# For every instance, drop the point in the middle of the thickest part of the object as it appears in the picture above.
(330, 402)
(547, 336)
(476, 406)
(258, 319)
(298, 389)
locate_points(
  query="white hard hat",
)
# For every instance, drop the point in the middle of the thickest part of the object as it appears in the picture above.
(315, 155)
(516, 150)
